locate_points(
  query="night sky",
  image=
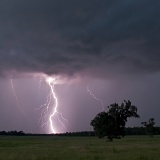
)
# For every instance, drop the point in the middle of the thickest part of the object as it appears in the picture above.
(112, 47)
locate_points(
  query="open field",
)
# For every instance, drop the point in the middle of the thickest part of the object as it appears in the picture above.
(78, 148)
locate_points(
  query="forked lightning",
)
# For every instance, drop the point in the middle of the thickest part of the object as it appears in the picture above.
(102, 104)
(50, 111)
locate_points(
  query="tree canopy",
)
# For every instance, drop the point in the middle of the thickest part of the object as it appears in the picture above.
(111, 124)
(149, 126)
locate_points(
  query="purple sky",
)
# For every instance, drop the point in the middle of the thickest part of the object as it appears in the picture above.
(110, 46)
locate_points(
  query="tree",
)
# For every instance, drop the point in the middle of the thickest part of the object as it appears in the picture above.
(111, 124)
(103, 125)
(149, 126)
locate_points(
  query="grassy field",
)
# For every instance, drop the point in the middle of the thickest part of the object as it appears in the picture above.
(78, 148)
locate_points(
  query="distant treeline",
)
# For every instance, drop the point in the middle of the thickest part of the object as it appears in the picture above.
(128, 131)
(141, 131)
(20, 133)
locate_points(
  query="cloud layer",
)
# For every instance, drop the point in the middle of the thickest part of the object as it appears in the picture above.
(90, 37)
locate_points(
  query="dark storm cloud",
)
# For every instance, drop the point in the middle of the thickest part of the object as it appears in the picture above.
(98, 37)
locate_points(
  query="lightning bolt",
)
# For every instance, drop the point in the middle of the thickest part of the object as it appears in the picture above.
(14, 93)
(17, 102)
(102, 104)
(50, 111)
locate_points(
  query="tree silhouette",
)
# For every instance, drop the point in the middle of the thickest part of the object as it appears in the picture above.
(111, 124)
(149, 126)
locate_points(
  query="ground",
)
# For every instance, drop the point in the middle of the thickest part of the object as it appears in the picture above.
(78, 148)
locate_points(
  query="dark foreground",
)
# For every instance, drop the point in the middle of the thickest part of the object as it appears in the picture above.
(78, 148)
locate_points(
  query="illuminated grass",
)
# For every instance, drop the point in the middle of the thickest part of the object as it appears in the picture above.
(78, 148)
